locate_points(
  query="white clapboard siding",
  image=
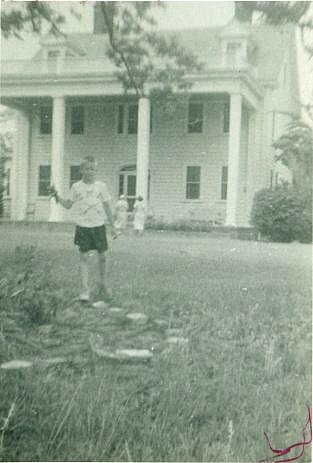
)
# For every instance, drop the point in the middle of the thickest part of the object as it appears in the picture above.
(172, 149)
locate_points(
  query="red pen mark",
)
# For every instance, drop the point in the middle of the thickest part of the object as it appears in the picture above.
(300, 444)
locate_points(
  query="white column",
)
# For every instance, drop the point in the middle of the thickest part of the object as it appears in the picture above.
(57, 155)
(233, 159)
(251, 164)
(143, 147)
(20, 167)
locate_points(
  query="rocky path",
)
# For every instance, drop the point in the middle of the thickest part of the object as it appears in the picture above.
(88, 335)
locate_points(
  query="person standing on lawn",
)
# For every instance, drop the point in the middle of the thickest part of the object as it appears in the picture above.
(91, 200)
(121, 208)
(139, 215)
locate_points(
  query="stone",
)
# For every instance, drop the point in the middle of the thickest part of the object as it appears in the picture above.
(173, 332)
(134, 354)
(104, 353)
(177, 340)
(123, 355)
(100, 305)
(137, 317)
(51, 362)
(115, 310)
(16, 364)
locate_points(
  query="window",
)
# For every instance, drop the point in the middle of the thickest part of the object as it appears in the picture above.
(226, 113)
(77, 120)
(132, 118)
(53, 54)
(193, 182)
(44, 180)
(75, 174)
(45, 120)
(233, 48)
(195, 117)
(234, 51)
(121, 185)
(120, 120)
(224, 182)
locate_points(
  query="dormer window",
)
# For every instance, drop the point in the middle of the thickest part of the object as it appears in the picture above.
(234, 53)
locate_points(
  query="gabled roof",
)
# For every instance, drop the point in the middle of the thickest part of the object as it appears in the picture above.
(271, 42)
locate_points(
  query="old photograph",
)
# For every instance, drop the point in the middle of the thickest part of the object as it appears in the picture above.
(156, 231)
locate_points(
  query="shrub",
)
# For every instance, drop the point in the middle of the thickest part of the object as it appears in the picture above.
(30, 292)
(283, 214)
(184, 225)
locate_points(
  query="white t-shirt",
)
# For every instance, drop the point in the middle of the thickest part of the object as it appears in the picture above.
(88, 199)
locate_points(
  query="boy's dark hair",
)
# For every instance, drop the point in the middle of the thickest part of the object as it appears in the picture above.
(139, 198)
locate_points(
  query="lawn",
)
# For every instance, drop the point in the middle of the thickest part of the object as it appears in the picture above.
(245, 308)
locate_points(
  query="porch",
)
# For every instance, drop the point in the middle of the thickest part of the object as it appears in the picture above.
(193, 160)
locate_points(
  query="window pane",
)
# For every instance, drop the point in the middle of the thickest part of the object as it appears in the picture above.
(77, 120)
(195, 117)
(233, 47)
(193, 182)
(44, 180)
(121, 185)
(45, 120)
(224, 182)
(132, 118)
(193, 174)
(75, 174)
(226, 118)
(120, 122)
(193, 191)
(131, 185)
(53, 54)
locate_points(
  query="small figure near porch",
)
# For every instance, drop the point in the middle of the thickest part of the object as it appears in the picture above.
(92, 202)
(121, 208)
(139, 215)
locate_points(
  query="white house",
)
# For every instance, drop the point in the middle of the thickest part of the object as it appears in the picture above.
(204, 158)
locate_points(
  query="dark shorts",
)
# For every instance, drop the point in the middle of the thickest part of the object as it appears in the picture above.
(88, 239)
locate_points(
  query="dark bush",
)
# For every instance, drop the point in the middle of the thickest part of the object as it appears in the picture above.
(283, 214)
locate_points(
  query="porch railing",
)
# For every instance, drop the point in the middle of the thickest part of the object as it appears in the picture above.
(100, 66)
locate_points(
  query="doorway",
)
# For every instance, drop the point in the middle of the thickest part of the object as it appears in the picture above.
(127, 184)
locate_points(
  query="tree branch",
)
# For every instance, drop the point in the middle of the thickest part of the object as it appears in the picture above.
(116, 49)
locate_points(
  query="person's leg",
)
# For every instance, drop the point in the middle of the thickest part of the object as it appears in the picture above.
(103, 289)
(83, 266)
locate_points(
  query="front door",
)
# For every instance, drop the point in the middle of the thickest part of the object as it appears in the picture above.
(127, 187)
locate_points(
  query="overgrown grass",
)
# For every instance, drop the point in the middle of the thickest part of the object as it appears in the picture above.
(246, 310)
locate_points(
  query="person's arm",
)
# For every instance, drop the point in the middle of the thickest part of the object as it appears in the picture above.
(107, 209)
(66, 203)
